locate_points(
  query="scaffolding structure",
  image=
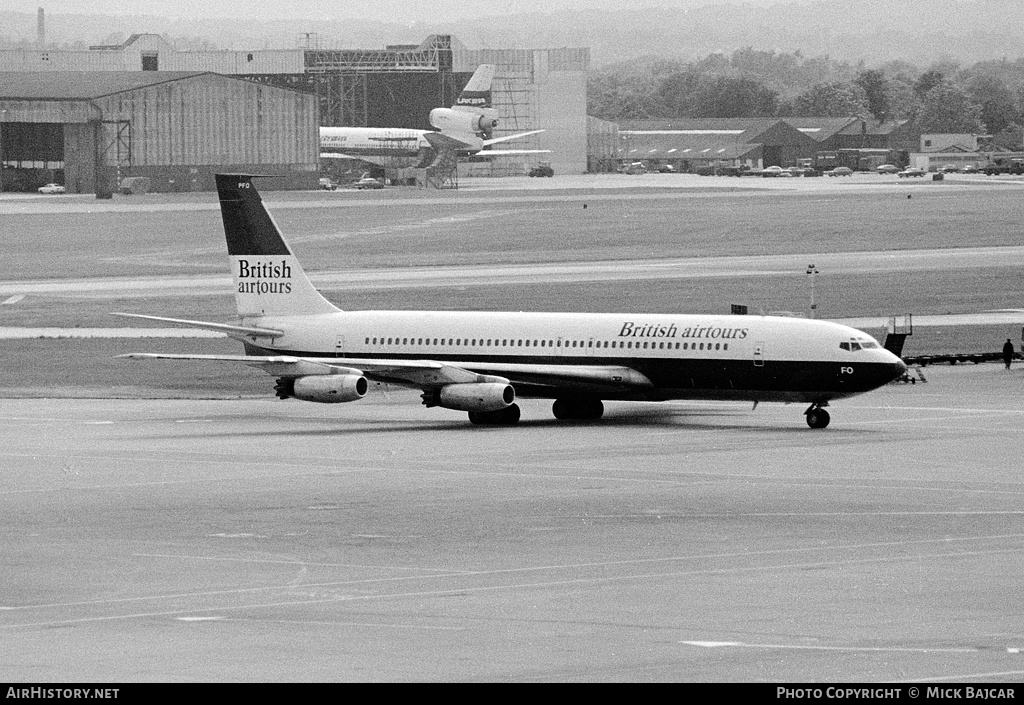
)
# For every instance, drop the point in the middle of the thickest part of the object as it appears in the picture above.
(434, 54)
(514, 95)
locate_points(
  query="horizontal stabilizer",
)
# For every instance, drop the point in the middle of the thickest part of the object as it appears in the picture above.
(441, 141)
(485, 153)
(506, 138)
(207, 325)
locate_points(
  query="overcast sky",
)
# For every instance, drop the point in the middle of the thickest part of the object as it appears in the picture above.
(399, 11)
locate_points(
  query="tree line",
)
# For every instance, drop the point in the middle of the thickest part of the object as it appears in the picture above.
(984, 98)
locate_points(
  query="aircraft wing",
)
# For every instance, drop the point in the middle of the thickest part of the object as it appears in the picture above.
(508, 152)
(506, 138)
(431, 374)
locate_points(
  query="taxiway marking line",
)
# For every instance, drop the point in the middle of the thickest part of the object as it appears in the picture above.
(562, 567)
(808, 647)
(964, 676)
(569, 475)
(325, 623)
(493, 588)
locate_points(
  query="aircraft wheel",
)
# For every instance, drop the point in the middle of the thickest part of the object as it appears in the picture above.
(577, 409)
(593, 409)
(818, 418)
(510, 415)
(502, 417)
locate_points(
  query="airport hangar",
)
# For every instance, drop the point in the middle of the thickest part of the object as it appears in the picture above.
(177, 128)
(691, 143)
(393, 87)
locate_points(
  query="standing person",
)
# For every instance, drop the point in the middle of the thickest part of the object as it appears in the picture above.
(1007, 353)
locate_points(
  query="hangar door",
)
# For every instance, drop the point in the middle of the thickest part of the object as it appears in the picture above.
(32, 154)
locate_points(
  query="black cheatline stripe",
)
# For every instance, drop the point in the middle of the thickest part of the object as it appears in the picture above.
(815, 379)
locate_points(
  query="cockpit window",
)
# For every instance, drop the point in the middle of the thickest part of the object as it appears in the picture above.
(858, 344)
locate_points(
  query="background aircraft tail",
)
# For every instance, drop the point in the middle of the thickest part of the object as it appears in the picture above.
(269, 281)
(477, 93)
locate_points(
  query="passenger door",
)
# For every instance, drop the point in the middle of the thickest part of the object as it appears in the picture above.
(759, 354)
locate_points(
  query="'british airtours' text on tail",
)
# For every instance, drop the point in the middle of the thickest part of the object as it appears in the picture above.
(268, 279)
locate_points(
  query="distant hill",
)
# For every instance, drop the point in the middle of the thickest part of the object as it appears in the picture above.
(872, 31)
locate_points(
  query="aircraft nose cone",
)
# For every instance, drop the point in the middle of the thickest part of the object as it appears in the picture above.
(899, 368)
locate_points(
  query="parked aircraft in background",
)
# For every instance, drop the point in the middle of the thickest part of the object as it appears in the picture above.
(465, 129)
(481, 362)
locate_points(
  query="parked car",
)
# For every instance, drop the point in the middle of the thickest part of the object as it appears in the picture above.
(769, 171)
(52, 188)
(634, 168)
(327, 185)
(542, 170)
(911, 171)
(1004, 166)
(667, 169)
(949, 169)
(887, 169)
(969, 169)
(841, 171)
(368, 182)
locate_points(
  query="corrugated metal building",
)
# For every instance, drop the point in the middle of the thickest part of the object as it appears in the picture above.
(176, 128)
(151, 52)
(690, 143)
(857, 133)
(397, 86)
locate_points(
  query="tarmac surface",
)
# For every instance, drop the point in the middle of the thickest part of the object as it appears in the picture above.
(250, 539)
(258, 540)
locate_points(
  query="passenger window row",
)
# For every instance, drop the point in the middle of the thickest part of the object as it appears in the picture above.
(527, 343)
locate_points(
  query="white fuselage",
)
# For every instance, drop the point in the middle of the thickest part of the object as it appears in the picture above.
(375, 144)
(684, 356)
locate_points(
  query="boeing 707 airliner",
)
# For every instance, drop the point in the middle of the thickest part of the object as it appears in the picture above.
(482, 362)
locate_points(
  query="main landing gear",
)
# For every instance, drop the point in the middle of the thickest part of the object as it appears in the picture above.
(502, 417)
(817, 417)
(577, 409)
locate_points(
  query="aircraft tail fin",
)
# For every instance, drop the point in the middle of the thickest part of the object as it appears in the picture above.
(269, 281)
(477, 93)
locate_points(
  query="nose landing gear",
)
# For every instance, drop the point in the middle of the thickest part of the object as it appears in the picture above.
(817, 417)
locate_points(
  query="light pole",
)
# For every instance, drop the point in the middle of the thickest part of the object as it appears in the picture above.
(812, 272)
(3, 115)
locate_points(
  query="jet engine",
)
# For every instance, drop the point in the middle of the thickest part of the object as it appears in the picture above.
(326, 389)
(475, 122)
(482, 396)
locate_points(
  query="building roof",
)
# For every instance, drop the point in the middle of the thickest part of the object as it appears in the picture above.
(821, 128)
(686, 145)
(716, 138)
(725, 125)
(724, 130)
(82, 85)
